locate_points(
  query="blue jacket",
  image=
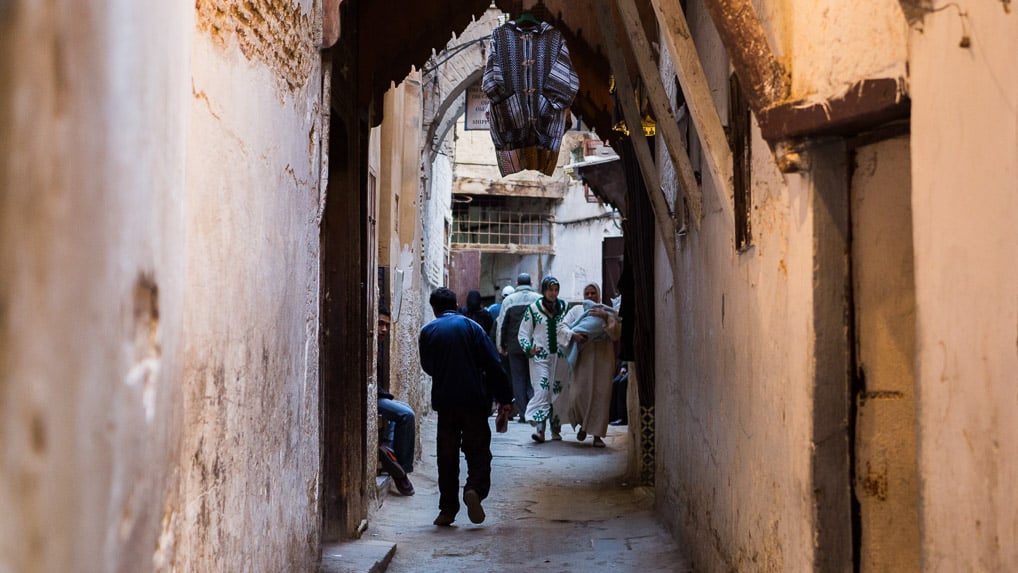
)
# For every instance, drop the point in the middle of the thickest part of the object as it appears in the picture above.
(465, 368)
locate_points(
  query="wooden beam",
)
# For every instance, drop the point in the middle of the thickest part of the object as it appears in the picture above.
(482, 186)
(624, 88)
(667, 125)
(764, 81)
(689, 70)
(865, 105)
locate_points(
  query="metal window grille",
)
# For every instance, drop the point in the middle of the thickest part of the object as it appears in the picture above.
(493, 229)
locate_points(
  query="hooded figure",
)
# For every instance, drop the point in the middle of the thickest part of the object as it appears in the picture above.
(475, 312)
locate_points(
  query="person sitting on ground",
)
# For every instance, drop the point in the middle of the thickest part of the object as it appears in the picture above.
(396, 447)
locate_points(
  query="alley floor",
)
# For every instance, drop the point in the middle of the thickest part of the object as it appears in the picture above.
(557, 507)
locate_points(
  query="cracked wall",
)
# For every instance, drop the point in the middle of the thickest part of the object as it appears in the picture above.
(159, 294)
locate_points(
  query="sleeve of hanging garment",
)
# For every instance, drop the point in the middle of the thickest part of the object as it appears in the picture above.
(562, 84)
(493, 80)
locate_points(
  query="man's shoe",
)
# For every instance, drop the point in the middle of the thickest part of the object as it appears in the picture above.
(474, 509)
(598, 443)
(444, 519)
(403, 485)
(556, 436)
(581, 435)
(389, 463)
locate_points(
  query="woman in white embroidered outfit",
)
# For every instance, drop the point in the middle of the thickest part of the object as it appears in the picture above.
(588, 400)
(544, 337)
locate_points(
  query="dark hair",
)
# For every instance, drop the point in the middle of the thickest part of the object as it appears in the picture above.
(383, 311)
(442, 299)
(547, 281)
(523, 279)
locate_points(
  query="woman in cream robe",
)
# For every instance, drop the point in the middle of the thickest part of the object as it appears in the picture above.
(588, 398)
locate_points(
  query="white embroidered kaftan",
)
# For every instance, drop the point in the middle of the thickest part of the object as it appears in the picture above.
(549, 369)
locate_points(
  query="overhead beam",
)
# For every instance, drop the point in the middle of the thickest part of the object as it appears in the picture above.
(624, 90)
(864, 106)
(667, 125)
(689, 70)
(763, 79)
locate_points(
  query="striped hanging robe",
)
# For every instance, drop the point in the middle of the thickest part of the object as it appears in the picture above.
(530, 83)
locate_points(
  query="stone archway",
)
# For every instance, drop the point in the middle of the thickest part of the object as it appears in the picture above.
(456, 68)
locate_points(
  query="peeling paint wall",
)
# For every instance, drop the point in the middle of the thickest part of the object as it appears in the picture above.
(832, 44)
(965, 201)
(159, 293)
(738, 478)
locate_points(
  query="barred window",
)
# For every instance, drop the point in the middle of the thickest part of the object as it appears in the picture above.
(502, 224)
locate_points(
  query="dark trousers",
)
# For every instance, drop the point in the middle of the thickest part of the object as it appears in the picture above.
(469, 431)
(519, 371)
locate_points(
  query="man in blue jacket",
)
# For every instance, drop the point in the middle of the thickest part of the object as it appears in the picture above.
(466, 376)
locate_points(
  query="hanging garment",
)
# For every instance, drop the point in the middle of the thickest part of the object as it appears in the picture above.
(530, 83)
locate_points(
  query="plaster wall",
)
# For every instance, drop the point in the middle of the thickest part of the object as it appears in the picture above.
(886, 482)
(737, 365)
(159, 293)
(438, 214)
(831, 44)
(965, 201)
(733, 395)
(401, 228)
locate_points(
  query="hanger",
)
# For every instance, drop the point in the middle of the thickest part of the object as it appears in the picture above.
(526, 18)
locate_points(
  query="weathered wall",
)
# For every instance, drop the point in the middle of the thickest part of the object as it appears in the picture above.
(752, 390)
(92, 280)
(158, 351)
(829, 45)
(400, 233)
(733, 396)
(965, 201)
(883, 288)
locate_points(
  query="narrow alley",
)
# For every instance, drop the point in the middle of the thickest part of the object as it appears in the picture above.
(557, 507)
(787, 228)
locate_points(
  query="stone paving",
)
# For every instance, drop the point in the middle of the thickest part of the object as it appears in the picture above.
(557, 507)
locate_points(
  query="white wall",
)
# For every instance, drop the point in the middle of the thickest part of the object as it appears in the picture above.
(965, 200)
(158, 355)
(738, 365)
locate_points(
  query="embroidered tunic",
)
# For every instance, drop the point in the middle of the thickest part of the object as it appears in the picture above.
(549, 368)
(530, 83)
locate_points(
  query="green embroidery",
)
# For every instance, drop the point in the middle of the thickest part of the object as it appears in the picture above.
(557, 388)
(544, 384)
(539, 416)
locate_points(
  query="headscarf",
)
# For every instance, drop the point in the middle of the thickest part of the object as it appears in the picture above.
(546, 283)
(596, 287)
(589, 324)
